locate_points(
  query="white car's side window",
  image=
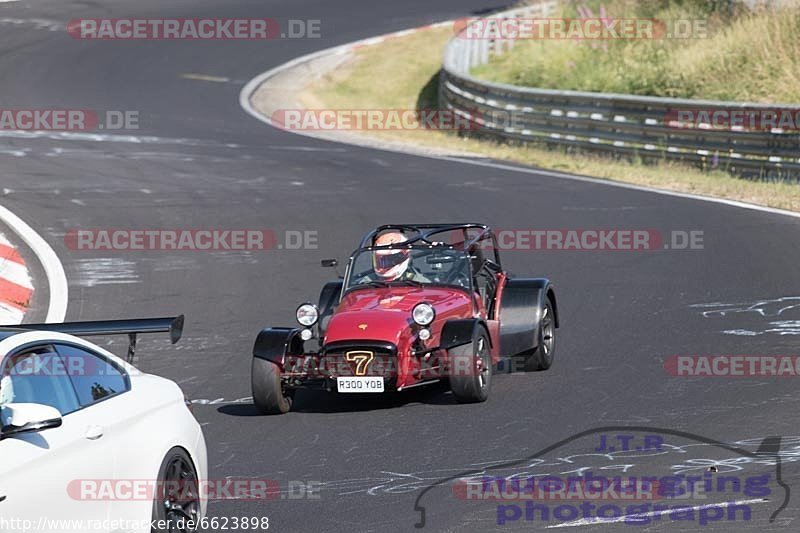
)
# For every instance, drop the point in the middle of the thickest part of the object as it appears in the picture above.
(93, 377)
(36, 375)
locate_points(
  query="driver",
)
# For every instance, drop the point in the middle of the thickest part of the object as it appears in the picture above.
(394, 265)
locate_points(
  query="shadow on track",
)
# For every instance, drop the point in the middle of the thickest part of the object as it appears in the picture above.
(312, 401)
(317, 401)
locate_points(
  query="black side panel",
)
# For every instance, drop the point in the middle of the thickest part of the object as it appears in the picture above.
(458, 332)
(520, 312)
(328, 300)
(551, 293)
(273, 344)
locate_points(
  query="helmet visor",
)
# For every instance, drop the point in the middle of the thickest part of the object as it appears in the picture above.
(384, 260)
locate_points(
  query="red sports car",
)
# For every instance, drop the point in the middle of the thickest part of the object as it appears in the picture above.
(418, 304)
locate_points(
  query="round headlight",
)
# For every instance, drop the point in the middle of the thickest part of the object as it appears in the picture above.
(307, 315)
(423, 314)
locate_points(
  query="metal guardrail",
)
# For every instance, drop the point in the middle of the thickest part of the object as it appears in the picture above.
(637, 126)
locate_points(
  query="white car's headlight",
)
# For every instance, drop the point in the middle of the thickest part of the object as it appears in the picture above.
(307, 315)
(423, 314)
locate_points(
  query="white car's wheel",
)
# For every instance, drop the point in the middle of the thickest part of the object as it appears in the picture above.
(177, 500)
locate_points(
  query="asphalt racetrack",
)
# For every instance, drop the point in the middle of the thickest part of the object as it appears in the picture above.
(371, 462)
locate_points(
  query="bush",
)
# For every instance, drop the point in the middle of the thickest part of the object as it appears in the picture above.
(752, 56)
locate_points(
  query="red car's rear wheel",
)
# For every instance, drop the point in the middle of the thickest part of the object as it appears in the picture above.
(542, 356)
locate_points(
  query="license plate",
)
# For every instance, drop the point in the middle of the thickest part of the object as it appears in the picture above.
(359, 384)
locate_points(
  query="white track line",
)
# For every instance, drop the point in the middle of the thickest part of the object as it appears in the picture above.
(15, 273)
(250, 88)
(10, 316)
(651, 514)
(56, 278)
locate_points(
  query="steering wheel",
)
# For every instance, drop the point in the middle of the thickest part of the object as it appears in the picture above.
(457, 277)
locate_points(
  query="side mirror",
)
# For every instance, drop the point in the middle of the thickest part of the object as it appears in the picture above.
(332, 263)
(17, 418)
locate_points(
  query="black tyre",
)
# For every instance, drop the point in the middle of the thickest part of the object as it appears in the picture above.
(268, 394)
(176, 503)
(542, 357)
(471, 369)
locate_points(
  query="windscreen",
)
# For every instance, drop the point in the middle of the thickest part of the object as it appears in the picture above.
(409, 265)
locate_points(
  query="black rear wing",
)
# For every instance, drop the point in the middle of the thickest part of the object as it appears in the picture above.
(129, 327)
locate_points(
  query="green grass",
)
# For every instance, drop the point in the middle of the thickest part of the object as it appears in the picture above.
(745, 56)
(398, 74)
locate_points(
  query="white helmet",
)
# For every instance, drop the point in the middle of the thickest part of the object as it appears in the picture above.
(390, 264)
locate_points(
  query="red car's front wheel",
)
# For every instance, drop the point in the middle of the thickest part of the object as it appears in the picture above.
(268, 394)
(471, 369)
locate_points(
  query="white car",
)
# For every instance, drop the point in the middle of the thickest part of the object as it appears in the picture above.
(88, 442)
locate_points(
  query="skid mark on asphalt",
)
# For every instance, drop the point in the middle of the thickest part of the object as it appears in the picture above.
(15, 152)
(81, 154)
(204, 77)
(172, 263)
(222, 401)
(388, 482)
(771, 307)
(33, 23)
(210, 78)
(92, 154)
(106, 271)
(642, 517)
(306, 149)
(203, 343)
(648, 208)
(110, 137)
(235, 258)
(781, 327)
